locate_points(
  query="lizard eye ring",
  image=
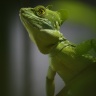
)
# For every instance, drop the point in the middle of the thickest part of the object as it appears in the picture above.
(41, 12)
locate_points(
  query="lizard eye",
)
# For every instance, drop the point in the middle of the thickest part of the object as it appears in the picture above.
(41, 12)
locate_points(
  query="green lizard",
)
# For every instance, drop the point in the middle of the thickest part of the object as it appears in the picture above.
(76, 68)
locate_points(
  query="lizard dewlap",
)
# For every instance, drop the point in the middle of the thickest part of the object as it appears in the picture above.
(72, 62)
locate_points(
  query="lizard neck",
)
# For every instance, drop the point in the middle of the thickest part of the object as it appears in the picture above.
(59, 46)
(48, 40)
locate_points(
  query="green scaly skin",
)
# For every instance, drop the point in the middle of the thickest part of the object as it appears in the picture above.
(76, 68)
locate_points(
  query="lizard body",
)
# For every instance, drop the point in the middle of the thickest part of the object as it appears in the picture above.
(76, 68)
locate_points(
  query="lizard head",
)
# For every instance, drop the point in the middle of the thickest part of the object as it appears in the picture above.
(43, 26)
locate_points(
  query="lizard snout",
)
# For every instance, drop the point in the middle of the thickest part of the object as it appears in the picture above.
(22, 10)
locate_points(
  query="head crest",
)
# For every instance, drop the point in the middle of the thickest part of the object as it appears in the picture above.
(63, 15)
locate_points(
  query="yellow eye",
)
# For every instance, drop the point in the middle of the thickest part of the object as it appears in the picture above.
(41, 11)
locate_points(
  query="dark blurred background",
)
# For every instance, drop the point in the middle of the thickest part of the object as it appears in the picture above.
(23, 67)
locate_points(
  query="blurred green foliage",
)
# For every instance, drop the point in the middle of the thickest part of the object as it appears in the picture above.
(78, 12)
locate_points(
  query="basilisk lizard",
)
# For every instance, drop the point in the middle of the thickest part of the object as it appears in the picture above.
(72, 62)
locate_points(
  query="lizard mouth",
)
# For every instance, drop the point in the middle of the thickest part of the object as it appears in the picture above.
(29, 17)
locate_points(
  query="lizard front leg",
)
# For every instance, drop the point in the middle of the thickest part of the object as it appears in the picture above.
(50, 86)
